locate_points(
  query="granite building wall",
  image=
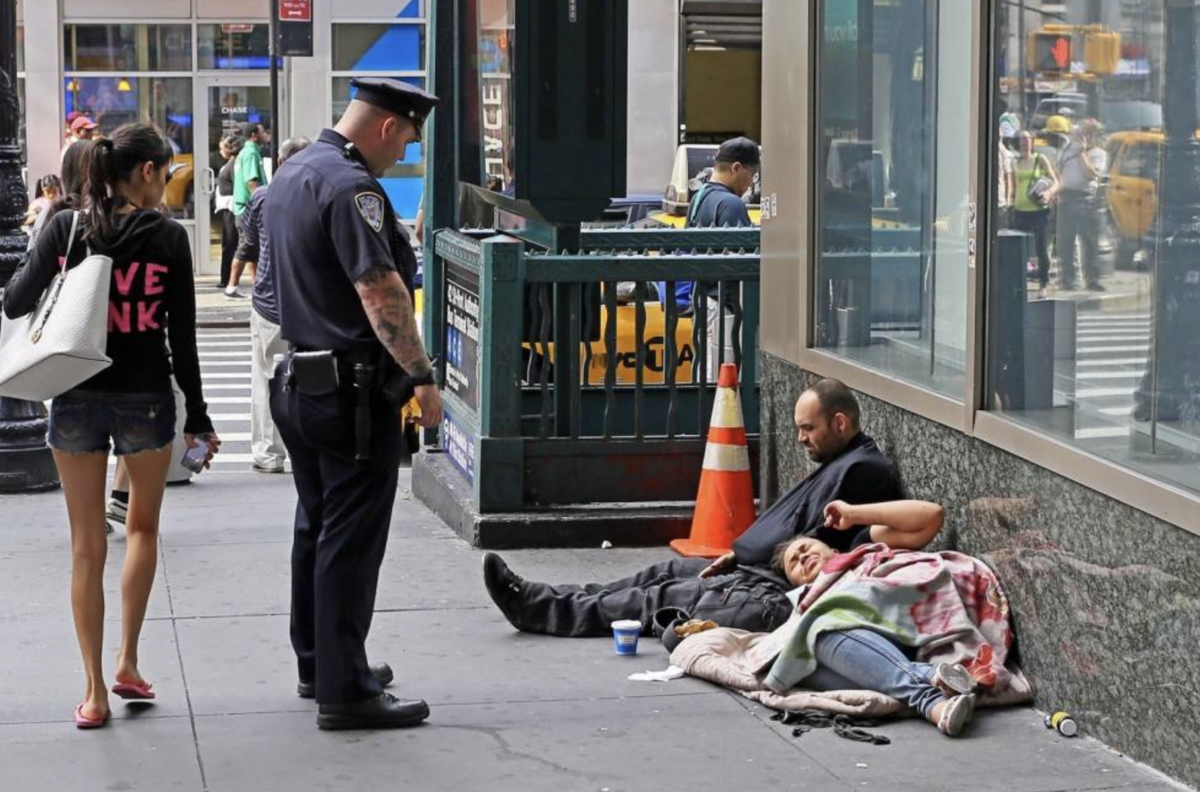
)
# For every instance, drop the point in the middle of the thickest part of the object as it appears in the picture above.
(1106, 599)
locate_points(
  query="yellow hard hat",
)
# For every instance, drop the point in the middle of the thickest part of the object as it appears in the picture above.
(1057, 123)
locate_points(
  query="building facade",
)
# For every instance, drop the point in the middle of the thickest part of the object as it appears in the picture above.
(983, 217)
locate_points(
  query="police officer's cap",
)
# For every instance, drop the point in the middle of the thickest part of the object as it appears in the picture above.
(739, 149)
(396, 97)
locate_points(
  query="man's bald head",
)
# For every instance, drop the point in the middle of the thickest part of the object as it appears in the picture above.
(827, 418)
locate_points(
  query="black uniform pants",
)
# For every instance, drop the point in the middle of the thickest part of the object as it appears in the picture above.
(341, 530)
(738, 599)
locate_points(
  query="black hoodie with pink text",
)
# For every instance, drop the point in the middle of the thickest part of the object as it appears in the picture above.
(152, 301)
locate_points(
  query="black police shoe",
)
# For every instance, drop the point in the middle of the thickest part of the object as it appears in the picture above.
(307, 689)
(504, 587)
(384, 711)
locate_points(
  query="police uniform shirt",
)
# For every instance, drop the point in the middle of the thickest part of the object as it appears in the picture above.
(335, 226)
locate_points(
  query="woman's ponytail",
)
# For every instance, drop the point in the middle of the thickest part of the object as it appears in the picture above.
(97, 195)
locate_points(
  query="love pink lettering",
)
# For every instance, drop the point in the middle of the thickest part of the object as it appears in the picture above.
(153, 284)
(146, 320)
(125, 278)
(118, 318)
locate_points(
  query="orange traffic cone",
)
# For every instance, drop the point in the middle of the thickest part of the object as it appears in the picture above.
(725, 502)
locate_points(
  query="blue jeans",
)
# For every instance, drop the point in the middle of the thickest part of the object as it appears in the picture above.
(95, 422)
(865, 660)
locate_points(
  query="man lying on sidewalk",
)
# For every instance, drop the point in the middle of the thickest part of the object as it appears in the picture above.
(741, 589)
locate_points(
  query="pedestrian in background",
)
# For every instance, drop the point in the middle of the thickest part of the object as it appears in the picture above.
(230, 147)
(1036, 184)
(1081, 166)
(128, 408)
(248, 175)
(266, 446)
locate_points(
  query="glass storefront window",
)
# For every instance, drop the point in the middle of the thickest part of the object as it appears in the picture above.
(233, 45)
(127, 48)
(893, 201)
(1093, 285)
(380, 9)
(405, 180)
(382, 47)
(165, 102)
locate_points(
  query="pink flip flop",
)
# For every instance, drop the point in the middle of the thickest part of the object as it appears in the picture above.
(134, 691)
(84, 722)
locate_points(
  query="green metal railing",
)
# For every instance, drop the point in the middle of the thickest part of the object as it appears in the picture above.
(559, 391)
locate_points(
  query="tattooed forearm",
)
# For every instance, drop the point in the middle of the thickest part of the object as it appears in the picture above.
(390, 311)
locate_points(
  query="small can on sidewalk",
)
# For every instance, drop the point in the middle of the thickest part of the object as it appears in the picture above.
(1062, 723)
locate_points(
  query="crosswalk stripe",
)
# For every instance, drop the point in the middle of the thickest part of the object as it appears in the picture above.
(1109, 375)
(1107, 349)
(229, 400)
(1087, 339)
(226, 375)
(226, 386)
(225, 355)
(1103, 393)
(1100, 432)
(225, 364)
(232, 417)
(1113, 362)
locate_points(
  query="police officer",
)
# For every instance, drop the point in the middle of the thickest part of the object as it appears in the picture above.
(345, 274)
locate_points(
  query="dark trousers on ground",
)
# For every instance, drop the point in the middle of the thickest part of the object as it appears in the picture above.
(341, 530)
(740, 600)
(1037, 223)
(229, 244)
(1078, 218)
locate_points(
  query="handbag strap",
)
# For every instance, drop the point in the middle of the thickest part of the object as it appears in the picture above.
(70, 240)
(58, 284)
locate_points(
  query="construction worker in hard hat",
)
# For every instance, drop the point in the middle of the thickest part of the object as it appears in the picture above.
(1054, 136)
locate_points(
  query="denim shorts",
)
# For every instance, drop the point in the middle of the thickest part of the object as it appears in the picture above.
(83, 422)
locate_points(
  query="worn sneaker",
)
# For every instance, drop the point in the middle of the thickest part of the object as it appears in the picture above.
(234, 295)
(114, 515)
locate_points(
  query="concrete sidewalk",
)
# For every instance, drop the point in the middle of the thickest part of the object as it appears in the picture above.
(510, 711)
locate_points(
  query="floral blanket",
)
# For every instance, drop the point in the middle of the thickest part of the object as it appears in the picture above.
(948, 606)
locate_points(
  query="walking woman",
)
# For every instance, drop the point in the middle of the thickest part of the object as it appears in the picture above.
(230, 147)
(129, 407)
(1037, 186)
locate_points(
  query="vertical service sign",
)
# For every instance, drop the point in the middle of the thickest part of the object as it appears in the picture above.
(462, 364)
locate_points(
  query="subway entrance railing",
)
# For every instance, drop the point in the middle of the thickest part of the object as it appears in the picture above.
(568, 380)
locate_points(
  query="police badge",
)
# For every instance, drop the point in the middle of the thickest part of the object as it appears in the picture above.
(370, 206)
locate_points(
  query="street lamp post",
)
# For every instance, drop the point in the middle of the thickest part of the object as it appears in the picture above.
(25, 461)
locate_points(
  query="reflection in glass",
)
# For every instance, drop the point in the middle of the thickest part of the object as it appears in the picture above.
(893, 208)
(231, 108)
(1095, 338)
(234, 45)
(382, 47)
(127, 48)
(164, 102)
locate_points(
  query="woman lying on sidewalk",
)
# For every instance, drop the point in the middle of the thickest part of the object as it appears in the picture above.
(924, 629)
(751, 598)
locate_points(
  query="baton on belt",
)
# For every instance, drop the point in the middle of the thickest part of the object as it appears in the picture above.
(364, 375)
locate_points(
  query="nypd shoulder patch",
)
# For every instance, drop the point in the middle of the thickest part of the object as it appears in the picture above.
(370, 206)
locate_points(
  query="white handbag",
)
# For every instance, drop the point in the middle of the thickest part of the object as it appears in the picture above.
(63, 341)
